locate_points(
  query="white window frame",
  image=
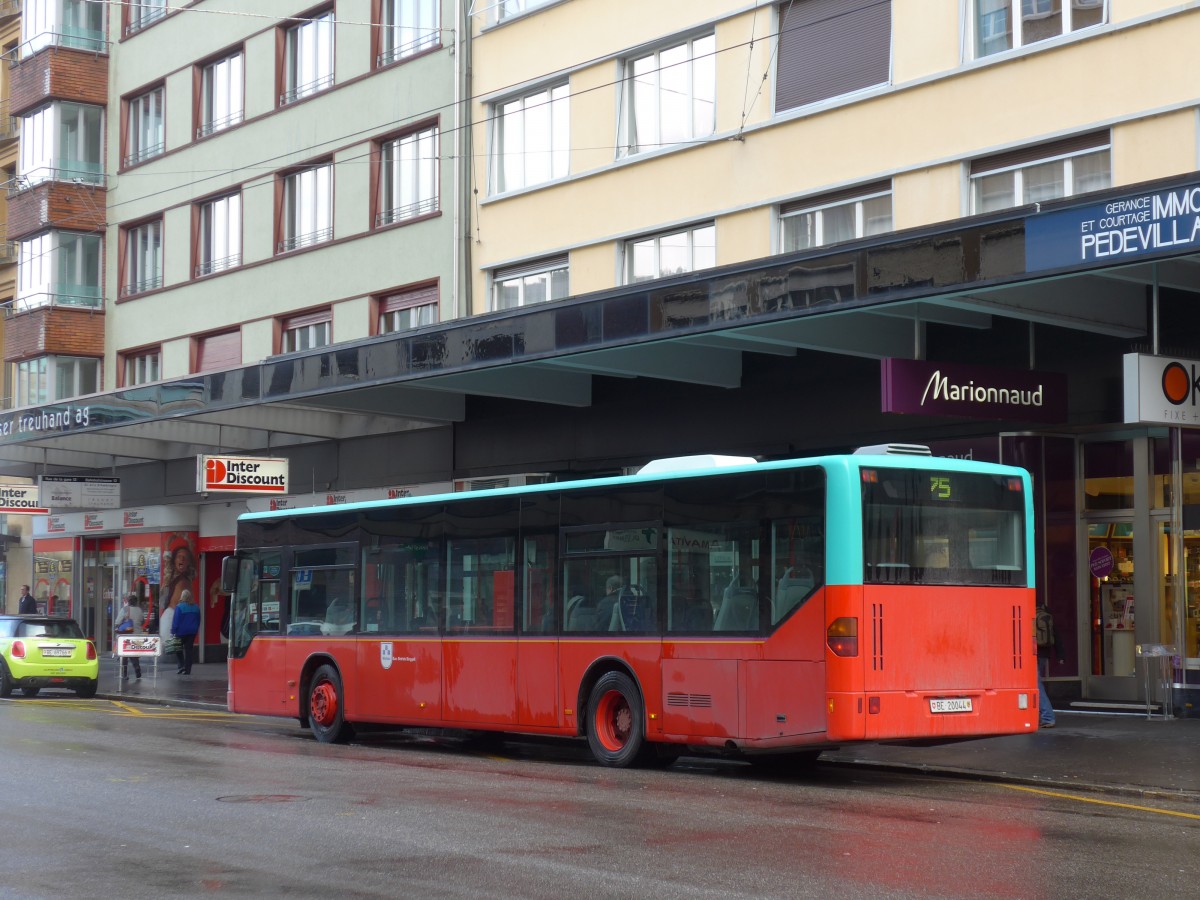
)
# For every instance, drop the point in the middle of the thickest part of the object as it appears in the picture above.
(307, 336)
(507, 9)
(1018, 184)
(45, 263)
(142, 367)
(415, 308)
(143, 258)
(307, 208)
(654, 241)
(44, 130)
(631, 140)
(143, 13)
(222, 94)
(408, 176)
(531, 139)
(51, 23)
(818, 210)
(308, 58)
(408, 27)
(145, 126)
(1004, 12)
(219, 234)
(547, 271)
(41, 379)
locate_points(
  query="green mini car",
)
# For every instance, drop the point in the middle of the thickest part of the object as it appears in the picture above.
(46, 652)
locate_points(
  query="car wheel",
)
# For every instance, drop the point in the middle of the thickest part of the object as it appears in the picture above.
(88, 690)
(31, 691)
(326, 707)
(6, 685)
(617, 722)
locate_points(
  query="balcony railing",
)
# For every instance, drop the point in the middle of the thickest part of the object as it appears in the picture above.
(9, 251)
(209, 266)
(75, 171)
(305, 240)
(77, 296)
(71, 37)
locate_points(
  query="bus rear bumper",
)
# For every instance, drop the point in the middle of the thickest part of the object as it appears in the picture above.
(930, 715)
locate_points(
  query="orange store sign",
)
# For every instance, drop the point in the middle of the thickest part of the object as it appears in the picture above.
(241, 475)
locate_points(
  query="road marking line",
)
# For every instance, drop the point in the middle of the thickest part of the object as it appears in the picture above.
(130, 710)
(1149, 809)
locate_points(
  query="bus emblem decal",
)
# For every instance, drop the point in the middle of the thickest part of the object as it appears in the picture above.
(385, 654)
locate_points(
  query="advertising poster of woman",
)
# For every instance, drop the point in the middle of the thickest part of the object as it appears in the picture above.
(178, 575)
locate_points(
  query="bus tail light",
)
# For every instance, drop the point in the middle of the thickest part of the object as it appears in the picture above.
(18, 649)
(842, 636)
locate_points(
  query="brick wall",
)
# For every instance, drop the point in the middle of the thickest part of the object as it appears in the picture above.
(58, 73)
(54, 329)
(55, 204)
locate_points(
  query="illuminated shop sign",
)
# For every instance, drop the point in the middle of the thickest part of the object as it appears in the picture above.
(241, 475)
(1115, 230)
(21, 500)
(1162, 390)
(977, 392)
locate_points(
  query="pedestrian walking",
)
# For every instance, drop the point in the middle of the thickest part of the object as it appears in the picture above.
(130, 619)
(184, 625)
(26, 606)
(1048, 646)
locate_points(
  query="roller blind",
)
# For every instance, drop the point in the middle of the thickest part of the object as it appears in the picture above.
(831, 47)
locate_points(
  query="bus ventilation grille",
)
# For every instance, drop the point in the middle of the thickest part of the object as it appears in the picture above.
(1018, 642)
(877, 637)
(698, 701)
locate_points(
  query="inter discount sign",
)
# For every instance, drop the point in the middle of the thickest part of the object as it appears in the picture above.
(21, 500)
(241, 475)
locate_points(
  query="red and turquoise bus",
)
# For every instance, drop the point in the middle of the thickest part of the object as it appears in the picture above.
(723, 604)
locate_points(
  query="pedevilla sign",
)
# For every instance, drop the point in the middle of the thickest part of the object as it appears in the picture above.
(1115, 230)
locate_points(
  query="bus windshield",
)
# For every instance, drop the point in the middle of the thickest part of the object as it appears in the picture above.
(930, 527)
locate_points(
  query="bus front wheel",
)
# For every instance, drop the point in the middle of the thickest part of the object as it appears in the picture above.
(326, 707)
(617, 722)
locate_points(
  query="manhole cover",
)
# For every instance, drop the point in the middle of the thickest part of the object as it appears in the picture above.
(262, 798)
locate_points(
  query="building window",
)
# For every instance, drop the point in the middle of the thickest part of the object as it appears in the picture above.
(218, 234)
(140, 366)
(662, 255)
(833, 218)
(63, 142)
(999, 26)
(144, 126)
(306, 208)
(62, 23)
(506, 9)
(407, 309)
(1045, 172)
(307, 58)
(222, 350)
(143, 258)
(531, 282)
(59, 268)
(142, 13)
(532, 139)
(408, 176)
(306, 332)
(670, 96)
(828, 48)
(46, 379)
(221, 101)
(407, 27)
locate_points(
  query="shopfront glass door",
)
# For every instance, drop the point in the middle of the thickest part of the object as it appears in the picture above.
(1113, 610)
(100, 588)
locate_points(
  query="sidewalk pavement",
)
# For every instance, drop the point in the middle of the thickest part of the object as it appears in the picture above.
(1125, 754)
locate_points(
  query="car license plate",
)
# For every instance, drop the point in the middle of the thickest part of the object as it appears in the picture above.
(56, 651)
(950, 704)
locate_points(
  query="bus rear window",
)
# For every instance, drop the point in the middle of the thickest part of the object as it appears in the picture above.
(931, 527)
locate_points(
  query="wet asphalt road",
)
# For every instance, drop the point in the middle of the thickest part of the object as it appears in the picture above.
(102, 799)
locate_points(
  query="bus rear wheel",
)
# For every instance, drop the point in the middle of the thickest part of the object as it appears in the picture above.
(617, 722)
(326, 707)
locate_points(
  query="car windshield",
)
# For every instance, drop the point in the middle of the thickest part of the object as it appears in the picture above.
(61, 629)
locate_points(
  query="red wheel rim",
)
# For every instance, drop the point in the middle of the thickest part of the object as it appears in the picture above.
(323, 706)
(614, 721)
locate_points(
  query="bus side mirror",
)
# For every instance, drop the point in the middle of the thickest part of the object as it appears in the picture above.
(229, 574)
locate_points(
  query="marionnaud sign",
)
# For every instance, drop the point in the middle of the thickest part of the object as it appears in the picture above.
(70, 492)
(21, 500)
(1162, 390)
(978, 392)
(1114, 230)
(241, 475)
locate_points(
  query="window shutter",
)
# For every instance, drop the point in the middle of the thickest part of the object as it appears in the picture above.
(831, 47)
(533, 267)
(305, 319)
(1093, 140)
(408, 299)
(833, 197)
(219, 351)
